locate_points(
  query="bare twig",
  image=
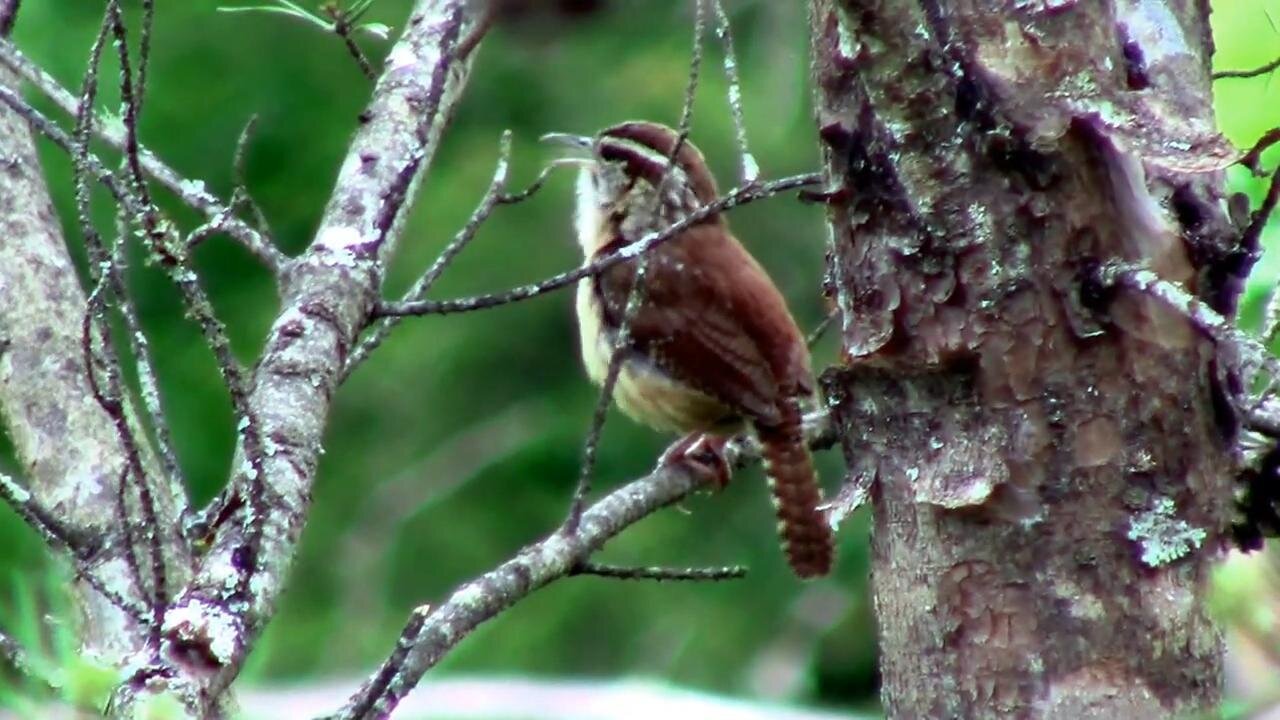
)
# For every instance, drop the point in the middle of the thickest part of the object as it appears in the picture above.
(109, 393)
(144, 50)
(431, 633)
(1255, 72)
(736, 197)
(61, 536)
(343, 28)
(1253, 354)
(750, 168)
(1252, 238)
(241, 196)
(130, 109)
(535, 186)
(170, 251)
(190, 192)
(822, 327)
(661, 574)
(84, 450)
(493, 196)
(50, 527)
(617, 356)
(1253, 158)
(635, 298)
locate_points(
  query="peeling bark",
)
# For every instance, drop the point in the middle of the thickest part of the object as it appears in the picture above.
(1052, 457)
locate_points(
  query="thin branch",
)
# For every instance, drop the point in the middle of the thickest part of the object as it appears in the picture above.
(736, 197)
(635, 297)
(170, 252)
(144, 50)
(493, 196)
(536, 185)
(822, 327)
(691, 84)
(130, 109)
(190, 192)
(617, 355)
(1253, 158)
(750, 168)
(1255, 72)
(241, 196)
(60, 536)
(342, 27)
(131, 99)
(431, 633)
(1252, 238)
(109, 393)
(661, 574)
(1253, 354)
(48, 525)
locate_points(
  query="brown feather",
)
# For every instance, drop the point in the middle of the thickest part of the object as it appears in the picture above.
(806, 537)
(728, 334)
(713, 340)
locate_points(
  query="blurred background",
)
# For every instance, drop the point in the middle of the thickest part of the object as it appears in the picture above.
(459, 441)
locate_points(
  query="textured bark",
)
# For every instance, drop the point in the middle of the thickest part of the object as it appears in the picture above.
(70, 451)
(327, 293)
(1051, 456)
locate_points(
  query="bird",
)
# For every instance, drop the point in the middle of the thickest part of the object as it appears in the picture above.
(711, 349)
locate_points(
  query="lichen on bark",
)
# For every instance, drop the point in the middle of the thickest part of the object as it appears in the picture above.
(991, 156)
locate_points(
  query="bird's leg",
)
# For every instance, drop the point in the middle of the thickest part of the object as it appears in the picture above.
(703, 454)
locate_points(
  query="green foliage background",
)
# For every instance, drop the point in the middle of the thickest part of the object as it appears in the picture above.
(477, 420)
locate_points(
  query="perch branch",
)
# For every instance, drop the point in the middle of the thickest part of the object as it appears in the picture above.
(433, 632)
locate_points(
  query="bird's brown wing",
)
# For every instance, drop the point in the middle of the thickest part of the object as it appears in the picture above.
(688, 326)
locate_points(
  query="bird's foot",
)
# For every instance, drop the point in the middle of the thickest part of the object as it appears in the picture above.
(703, 454)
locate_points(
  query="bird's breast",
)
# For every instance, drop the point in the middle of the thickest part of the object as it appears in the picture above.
(644, 392)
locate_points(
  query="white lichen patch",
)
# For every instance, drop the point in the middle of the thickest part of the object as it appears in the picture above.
(750, 168)
(192, 187)
(471, 594)
(1162, 536)
(339, 237)
(15, 492)
(212, 628)
(401, 57)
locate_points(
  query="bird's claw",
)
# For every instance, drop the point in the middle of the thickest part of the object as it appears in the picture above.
(701, 453)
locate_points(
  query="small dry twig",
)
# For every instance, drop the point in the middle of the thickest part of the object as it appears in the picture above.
(662, 574)
(734, 198)
(1255, 72)
(493, 196)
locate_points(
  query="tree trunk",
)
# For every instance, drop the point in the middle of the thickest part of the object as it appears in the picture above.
(1050, 453)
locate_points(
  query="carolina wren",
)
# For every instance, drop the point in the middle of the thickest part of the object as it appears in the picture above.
(712, 347)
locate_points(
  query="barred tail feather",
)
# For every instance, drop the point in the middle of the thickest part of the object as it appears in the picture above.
(806, 536)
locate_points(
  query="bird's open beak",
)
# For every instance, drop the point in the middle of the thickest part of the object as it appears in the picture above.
(580, 142)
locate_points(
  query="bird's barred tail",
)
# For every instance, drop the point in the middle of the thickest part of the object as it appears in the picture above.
(806, 536)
